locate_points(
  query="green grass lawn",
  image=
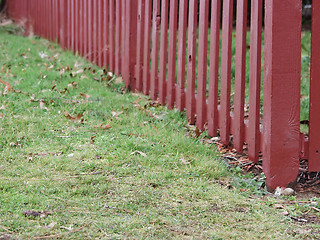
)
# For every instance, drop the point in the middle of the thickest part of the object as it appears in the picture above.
(82, 159)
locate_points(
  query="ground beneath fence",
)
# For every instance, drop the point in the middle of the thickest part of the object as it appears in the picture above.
(308, 183)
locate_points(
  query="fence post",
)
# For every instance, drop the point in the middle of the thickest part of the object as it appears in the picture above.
(281, 122)
(314, 117)
(130, 41)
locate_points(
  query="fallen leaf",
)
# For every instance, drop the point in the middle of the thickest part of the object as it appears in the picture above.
(109, 76)
(67, 228)
(118, 80)
(36, 213)
(77, 72)
(66, 90)
(278, 206)
(6, 23)
(116, 114)
(101, 126)
(1, 115)
(85, 96)
(7, 85)
(77, 118)
(139, 152)
(92, 139)
(73, 84)
(3, 106)
(184, 161)
(43, 106)
(45, 154)
(51, 225)
(43, 55)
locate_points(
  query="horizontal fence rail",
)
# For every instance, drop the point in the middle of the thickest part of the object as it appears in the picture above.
(189, 54)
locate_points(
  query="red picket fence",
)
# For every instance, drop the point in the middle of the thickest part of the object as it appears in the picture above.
(172, 52)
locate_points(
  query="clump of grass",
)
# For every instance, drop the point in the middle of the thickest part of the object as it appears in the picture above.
(83, 160)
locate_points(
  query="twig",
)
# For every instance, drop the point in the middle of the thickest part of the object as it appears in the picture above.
(6, 229)
(119, 209)
(298, 219)
(92, 173)
(243, 164)
(314, 208)
(63, 234)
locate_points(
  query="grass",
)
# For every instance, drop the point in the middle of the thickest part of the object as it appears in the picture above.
(83, 159)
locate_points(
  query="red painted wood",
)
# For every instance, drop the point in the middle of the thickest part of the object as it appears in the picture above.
(155, 49)
(172, 48)
(95, 31)
(63, 23)
(130, 43)
(111, 36)
(202, 64)
(181, 67)
(281, 121)
(77, 27)
(106, 33)
(91, 32)
(146, 48)
(140, 43)
(240, 75)
(255, 81)
(82, 28)
(44, 18)
(57, 20)
(314, 120)
(85, 29)
(118, 38)
(126, 72)
(226, 71)
(123, 36)
(191, 65)
(43, 22)
(48, 16)
(73, 40)
(163, 50)
(52, 22)
(214, 68)
(100, 33)
(72, 25)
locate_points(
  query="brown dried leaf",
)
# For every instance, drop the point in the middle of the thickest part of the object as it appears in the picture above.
(85, 96)
(7, 85)
(1, 115)
(77, 118)
(278, 206)
(66, 90)
(73, 84)
(36, 214)
(92, 139)
(101, 126)
(116, 114)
